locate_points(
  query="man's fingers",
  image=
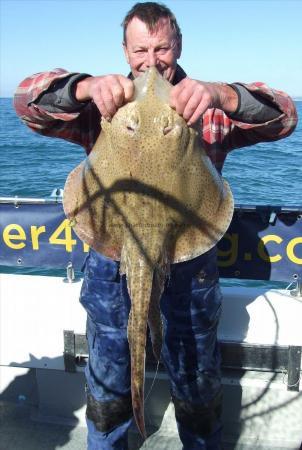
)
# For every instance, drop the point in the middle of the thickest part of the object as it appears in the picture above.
(175, 93)
(183, 99)
(117, 93)
(110, 92)
(202, 107)
(128, 88)
(108, 99)
(191, 98)
(98, 100)
(190, 107)
(199, 102)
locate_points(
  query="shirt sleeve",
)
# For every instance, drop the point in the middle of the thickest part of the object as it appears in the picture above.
(60, 96)
(252, 108)
(79, 124)
(222, 133)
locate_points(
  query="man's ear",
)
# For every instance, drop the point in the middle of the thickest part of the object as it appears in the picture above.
(126, 51)
(179, 47)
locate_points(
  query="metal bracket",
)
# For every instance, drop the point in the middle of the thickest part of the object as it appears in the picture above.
(272, 218)
(69, 351)
(70, 275)
(57, 193)
(75, 350)
(297, 291)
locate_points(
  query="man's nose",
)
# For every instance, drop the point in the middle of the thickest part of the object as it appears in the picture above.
(151, 59)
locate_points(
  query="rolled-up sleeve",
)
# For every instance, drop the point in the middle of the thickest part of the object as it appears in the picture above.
(80, 126)
(222, 133)
(282, 125)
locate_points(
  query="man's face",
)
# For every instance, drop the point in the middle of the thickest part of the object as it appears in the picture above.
(159, 48)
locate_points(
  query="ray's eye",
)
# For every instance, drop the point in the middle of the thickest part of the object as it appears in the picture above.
(132, 124)
(167, 124)
(167, 130)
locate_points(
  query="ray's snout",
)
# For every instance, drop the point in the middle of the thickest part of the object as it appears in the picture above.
(166, 125)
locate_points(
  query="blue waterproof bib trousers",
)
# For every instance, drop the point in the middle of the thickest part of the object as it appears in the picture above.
(190, 308)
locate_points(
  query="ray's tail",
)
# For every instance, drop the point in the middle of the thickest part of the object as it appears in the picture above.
(139, 281)
(140, 270)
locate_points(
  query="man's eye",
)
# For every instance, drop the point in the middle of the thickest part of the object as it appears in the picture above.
(162, 50)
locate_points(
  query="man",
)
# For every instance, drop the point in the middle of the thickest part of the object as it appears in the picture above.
(69, 106)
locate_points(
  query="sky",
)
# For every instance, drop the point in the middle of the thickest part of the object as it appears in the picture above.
(223, 40)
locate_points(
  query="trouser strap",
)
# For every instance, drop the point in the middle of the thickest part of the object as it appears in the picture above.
(108, 415)
(199, 419)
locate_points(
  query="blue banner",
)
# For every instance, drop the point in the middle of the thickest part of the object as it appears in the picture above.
(262, 243)
(38, 235)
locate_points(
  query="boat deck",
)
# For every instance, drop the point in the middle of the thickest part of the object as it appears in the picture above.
(20, 431)
(42, 401)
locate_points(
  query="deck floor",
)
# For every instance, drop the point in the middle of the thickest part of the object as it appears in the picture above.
(19, 432)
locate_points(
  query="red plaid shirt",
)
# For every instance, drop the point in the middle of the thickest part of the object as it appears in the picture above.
(220, 134)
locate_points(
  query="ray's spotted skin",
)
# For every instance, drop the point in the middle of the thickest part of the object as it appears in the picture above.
(149, 196)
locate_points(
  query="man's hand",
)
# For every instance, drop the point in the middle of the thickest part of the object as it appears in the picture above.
(191, 98)
(108, 92)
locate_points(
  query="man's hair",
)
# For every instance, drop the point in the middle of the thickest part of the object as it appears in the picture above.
(150, 13)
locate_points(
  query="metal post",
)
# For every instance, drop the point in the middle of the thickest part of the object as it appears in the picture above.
(294, 367)
(297, 291)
